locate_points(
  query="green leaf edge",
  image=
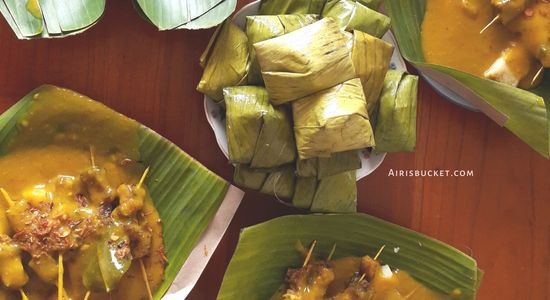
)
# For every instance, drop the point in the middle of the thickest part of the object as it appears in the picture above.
(265, 251)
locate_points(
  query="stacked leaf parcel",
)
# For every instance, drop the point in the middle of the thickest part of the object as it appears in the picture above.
(304, 88)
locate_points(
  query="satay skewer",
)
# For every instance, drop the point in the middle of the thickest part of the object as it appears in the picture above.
(493, 21)
(309, 253)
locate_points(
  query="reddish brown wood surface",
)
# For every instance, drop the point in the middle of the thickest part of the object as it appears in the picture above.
(501, 215)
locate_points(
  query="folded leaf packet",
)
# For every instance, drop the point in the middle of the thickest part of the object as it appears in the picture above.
(396, 127)
(333, 120)
(305, 61)
(261, 28)
(371, 59)
(352, 15)
(225, 61)
(258, 133)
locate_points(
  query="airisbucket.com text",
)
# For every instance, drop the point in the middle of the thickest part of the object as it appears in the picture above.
(430, 173)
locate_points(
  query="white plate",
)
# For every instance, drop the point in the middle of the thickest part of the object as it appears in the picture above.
(448, 93)
(215, 115)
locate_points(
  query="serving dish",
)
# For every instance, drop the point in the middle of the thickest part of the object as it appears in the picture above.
(216, 116)
(253, 273)
(523, 112)
(194, 204)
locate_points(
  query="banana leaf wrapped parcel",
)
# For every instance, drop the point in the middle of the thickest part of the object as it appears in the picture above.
(339, 162)
(336, 193)
(321, 167)
(333, 120)
(258, 133)
(352, 15)
(371, 59)
(226, 61)
(282, 7)
(305, 61)
(275, 145)
(396, 127)
(261, 28)
(304, 192)
(280, 183)
(249, 178)
(245, 107)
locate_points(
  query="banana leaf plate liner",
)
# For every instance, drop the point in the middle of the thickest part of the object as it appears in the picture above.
(186, 194)
(265, 251)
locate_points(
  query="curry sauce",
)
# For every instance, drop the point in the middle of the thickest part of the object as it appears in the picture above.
(506, 41)
(73, 204)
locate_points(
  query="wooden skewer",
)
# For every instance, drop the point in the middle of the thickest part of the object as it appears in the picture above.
(331, 252)
(7, 197)
(537, 75)
(23, 295)
(146, 279)
(140, 183)
(411, 293)
(375, 258)
(60, 272)
(379, 252)
(493, 21)
(92, 158)
(309, 253)
(87, 296)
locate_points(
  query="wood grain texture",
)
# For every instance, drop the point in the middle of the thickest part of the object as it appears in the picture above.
(501, 215)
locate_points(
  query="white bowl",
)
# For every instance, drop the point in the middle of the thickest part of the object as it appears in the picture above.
(215, 115)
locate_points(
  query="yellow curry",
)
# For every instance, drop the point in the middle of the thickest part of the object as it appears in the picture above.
(352, 278)
(503, 40)
(75, 223)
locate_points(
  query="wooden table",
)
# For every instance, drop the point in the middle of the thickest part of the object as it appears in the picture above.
(501, 215)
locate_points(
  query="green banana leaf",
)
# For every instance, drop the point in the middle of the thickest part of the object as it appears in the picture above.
(352, 15)
(396, 127)
(282, 7)
(280, 183)
(321, 167)
(336, 194)
(275, 145)
(304, 192)
(226, 51)
(261, 28)
(524, 113)
(338, 162)
(50, 18)
(59, 18)
(291, 7)
(186, 14)
(246, 106)
(307, 167)
(185, 193)
(249, 178)
(265, 251)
